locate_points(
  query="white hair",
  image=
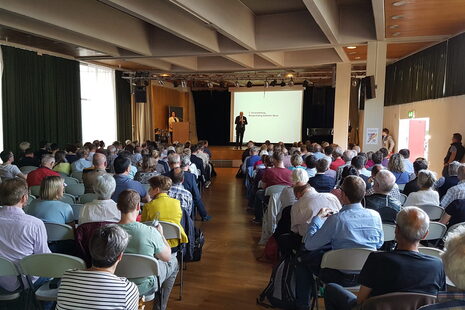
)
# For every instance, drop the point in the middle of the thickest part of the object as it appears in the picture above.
(461, 172)
(264, 152)
(453, 168)
(348, 155)
(385, 181)
(299, 175)
(413, 223)
(454, 256)
(104, 186)
(426, 178)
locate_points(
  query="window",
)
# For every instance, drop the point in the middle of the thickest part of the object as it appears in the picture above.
(98, 104)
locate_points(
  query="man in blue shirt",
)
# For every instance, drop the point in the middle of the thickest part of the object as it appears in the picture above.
(122, 166)
(353, 227)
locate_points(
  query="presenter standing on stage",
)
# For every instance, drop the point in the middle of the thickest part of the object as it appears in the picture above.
(240, 122)
(172, 119)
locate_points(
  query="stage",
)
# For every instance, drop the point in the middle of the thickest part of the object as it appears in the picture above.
(226, 156)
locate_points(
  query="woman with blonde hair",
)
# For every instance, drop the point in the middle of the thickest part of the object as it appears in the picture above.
(149, 165)
(49, 208)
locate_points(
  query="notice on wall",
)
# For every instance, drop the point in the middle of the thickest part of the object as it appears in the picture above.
(372, 136)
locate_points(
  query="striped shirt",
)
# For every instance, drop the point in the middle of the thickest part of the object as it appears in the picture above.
(453, 193)
(84, 289)
(177, 191)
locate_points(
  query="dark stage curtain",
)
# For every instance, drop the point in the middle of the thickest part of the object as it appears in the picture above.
(212, 111)
(455, 73)
(417, 77)
(123, 107)
(318, 112)
(41, 99)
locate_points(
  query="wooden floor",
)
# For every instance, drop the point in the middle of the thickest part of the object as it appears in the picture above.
(228, 276)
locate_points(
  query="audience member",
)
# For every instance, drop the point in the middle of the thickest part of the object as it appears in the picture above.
(338, 161)
(35, 177)
(278, 174)
(444, 183)
(358, 162)
(98, 287)
(426, 195)
(89, 176)
(61, 164)
(370, 163)
(352, 227)
(163, 207)
(71, 150)
(321, 182)
(396, 166)
(381, 200)
(43, 150)
(328, 151)
(385, 161)
(401, 270)
(102, 209)
(394, 193)
(81, 162)
(408, 166)
(21, 235)
(177, 191)
(454, 213)
(149, 241)
(122, 167)
(28, 159)
(7, 169)
(149, 166)
(310, 162)
(412, 186)
(348, 170)
(457, 191)
(296, 162)
(49, 208)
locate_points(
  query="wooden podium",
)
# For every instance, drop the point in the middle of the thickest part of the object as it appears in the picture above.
(181, 131)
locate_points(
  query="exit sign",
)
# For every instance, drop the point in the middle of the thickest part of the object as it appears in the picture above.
(411, 114)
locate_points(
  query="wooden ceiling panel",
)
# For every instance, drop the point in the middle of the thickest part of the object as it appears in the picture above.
(357, 54)
(399, 50)
(424, 17)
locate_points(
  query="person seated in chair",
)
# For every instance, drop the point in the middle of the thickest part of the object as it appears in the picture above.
(412, 185)
(98, 287)
(444, 183)
(396, 166)
(352, 227)
(35, 177)
(89, 176)
(381, 200)
(147, 240)
(402, 270)
(321, 182)
(426, 195)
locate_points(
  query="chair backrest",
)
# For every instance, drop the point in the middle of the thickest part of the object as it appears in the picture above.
(77, 208)
(35, 190)
(70, 180)
(57, 232)
(346, 259)
(77, 175)
(434, 212)
(89, 197)
(402, 198)
(436, 231)
(170, 230)
(82, 236)
(395, 301)
(67, 198)
(134, 266)
(430, 251)
(27, 169)
(401, 187)
(76, 189)
(50, 265)
(274, 189)
(389, 232)
(7, 268)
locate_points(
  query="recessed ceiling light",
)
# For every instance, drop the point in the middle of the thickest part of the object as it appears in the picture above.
(397, 17)
(358, 57)
(399, 3)
(395, 34)
(394, 26)
(351, 47)
(352, 53)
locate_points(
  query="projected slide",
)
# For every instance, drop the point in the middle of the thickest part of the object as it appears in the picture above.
(271, 115)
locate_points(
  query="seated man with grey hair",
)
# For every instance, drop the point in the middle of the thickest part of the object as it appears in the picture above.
(321, 182)
(453, 258)
(102, 209)
(453, 193)
(98, 287)
(46, 165)
(402, 270)
(381, 200)
(444, 183)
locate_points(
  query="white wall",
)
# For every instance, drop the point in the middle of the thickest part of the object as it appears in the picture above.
(447, 115)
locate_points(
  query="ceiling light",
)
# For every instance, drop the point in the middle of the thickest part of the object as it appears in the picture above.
(399, 3)
(393, 26)
(282, 83)
(164, 74)
(397, 17)
(351, 47)
(290, 75)
(249, 84)
(395, 34)
(274, 83)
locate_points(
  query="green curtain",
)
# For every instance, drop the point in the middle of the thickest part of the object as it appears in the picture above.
(123, 107)
(41, 99)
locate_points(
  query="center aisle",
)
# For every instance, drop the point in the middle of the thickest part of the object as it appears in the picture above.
(228, 276)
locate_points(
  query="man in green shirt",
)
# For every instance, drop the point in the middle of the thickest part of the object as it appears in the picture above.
(147, 240)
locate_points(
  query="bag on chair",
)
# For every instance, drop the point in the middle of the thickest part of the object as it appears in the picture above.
(280, 292)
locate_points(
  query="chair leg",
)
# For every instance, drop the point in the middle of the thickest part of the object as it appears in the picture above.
(181, 276)
(160, 294)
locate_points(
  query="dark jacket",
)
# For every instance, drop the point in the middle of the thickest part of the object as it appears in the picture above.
(322, 183)
(387, 206)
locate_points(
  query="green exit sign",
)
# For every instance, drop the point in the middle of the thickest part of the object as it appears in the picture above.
(411, 114)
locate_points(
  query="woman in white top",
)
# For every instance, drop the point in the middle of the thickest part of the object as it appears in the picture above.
(8, 170)
(426, 195)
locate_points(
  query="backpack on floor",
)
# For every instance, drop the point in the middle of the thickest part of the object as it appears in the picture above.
(280, 292)
(198, 245)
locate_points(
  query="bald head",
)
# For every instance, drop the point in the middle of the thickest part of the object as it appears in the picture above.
(384, 182)
(99, 161)
(412, 225)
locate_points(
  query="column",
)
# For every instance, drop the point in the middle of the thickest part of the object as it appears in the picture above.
(374, 108)
(341, 104)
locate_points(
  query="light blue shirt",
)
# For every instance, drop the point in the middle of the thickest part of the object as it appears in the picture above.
(80, 165)
(51, 211)
(408, 166)
(133, 172)
(319, 155)
(353, 227)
